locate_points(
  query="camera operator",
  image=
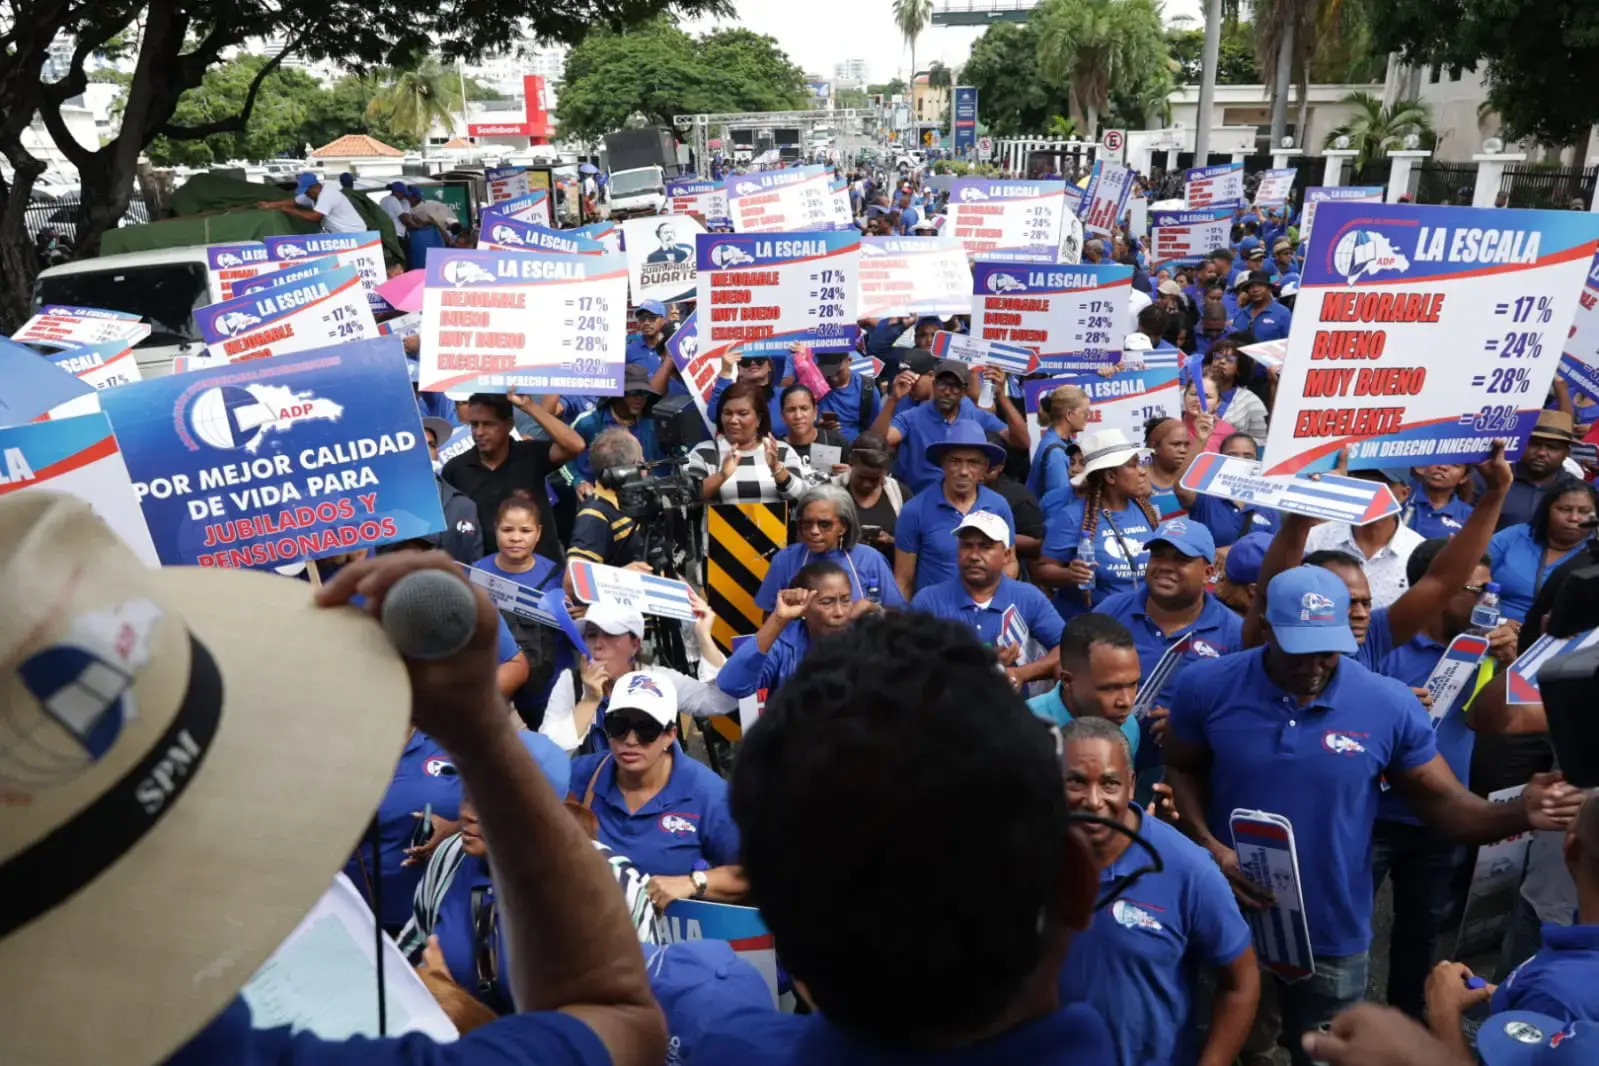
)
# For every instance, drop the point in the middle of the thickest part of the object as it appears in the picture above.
(602, 533)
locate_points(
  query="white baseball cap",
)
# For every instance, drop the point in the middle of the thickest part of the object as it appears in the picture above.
(647, 691)
(988, 524)
(614, 619)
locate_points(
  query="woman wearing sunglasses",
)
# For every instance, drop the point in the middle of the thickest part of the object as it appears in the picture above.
(829, 531)
(1237, 378)
(654, 804)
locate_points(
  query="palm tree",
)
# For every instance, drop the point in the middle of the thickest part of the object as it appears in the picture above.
(1062, 128)
(912, 17)
(415, 98)
(940, 79)
(1375, 129)
(1282, 47)
(1089, 46)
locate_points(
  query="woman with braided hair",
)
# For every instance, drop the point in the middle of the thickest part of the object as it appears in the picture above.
(1094, 546)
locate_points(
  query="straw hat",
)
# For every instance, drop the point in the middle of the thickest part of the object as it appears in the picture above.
(187, 756)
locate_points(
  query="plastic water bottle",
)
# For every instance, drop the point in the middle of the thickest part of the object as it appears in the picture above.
(1485, 615)
(1085, 553)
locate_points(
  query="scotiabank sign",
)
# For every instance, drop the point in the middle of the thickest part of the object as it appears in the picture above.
(499, 129)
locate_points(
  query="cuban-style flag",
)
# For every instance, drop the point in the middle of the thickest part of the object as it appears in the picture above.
(1013, 630)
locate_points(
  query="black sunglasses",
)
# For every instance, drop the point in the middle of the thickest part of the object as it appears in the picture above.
(618, 726)
(749, 364)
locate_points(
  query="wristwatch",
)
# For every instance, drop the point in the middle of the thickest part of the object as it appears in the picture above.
(701, 883)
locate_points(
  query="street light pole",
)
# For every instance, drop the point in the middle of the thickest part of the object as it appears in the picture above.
(1207, 82)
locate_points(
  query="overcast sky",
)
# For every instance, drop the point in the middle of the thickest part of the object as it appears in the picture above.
(819, 33)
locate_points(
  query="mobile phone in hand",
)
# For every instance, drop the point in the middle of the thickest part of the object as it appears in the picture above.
(422, 831)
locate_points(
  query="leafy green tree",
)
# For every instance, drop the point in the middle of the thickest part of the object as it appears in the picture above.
(275, 127)
(1538, 58)
(847, 98)
(1012, 98)
(1235, 64)
(1090, 47)
(415, 98)
(1374, 129)
(912, 17)
(892, 87)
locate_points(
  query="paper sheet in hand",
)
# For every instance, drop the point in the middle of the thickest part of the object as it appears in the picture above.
(647, 593)
(826, 456)
(323, 978)
(974, 351)
(1523, 681)
(1265, 846)
(1338, 499)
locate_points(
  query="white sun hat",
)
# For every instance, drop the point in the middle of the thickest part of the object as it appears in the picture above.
(1104, 449)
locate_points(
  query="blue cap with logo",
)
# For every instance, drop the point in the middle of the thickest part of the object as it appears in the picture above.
(303, 183)
(1523, 1038)
(1308, 611)
(651, 307)
(1187, 536)
(397, 187)
(1245, 556)
(699, 984)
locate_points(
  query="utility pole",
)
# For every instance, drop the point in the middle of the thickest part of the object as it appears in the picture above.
(1207, 81)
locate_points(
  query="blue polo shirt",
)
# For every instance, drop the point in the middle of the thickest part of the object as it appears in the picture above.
(1517, 564)
(685, 827)
(1315, 765)
(1379, 642)
(881, 337)
(870, 575)
(1562, 980)
(1113, 571)
(1217, 631)
(638, 351)
(845, 402)
(424, 775)
(1269, 325)
(926, 527)
(1135, 963)
(949, 599)
(591, 424)
(923, 425)
(457, 940)
(1226, 520)
(548, 1038)
(1419, 514)
(1050, 468)
(1051, 708)
(1412, 662)
(1074, 1035)
(749, 670)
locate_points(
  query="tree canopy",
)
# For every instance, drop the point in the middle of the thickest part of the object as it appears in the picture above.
(1012, 98)
(1091, 48)
(660, 71)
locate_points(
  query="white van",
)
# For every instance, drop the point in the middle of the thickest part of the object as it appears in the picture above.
(163, 288)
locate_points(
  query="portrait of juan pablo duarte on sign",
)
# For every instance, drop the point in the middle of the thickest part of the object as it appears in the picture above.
(666, 269)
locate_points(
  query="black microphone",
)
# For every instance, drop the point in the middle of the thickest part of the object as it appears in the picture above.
(429, 614)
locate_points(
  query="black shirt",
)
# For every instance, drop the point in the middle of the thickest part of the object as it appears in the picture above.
(603, 534)
(525, 468)
(1023, 506)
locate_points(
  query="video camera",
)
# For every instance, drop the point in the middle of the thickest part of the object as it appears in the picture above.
(643, 496)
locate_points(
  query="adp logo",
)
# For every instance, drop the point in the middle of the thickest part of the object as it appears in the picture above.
(459, 272)
(730, 255)
(689, 346)
(228, 259)
(1361, 253)
(1004, 283)
(234, 323)
(291, 251)
(970, 195)
(746, 188)
(503, 234)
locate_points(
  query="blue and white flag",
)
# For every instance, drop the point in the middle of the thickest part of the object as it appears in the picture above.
(1266, 855)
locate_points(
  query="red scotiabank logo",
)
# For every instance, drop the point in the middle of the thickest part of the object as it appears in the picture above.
(497, 129)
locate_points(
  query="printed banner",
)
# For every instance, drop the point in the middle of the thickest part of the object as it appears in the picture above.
(913, 276)
(329, 308)
(1325, 194)
(1076, 313)
(1105, 198)
(1522, 684)
(72, 327)
(79, 457)
(697, 369)
(361, 251)
(1423, 334)
(286, 274)
(698, 196)
(607, 233)
(531, 207)
(1150, 688)
(964, 113)
(661, 258)
(1579, 359)
(1218, 186)
(1269, 354)
(1183, 238)
(275, 461)
(775, 201)
(231, 263)
(985, 214)
(741, 927)
(34, 387)
(500, 234)
(1275, 187)
(973, 351)
(1125, 400)
(532, 321)
(763, 292)
(105, 366)
(649, 594)
(1495, 884)
(1454, 675)
(1264, 843)
(1337, 499)
(506, 183)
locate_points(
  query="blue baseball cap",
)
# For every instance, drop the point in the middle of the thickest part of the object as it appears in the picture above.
(347, 180)
(412, 190)
(1247, 243)
(700, 984)
(1308, 611)
(1187, 536)
(1523, 1038)
(397, 186)
(303, 183)
(1245, 556)
(652, 307)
